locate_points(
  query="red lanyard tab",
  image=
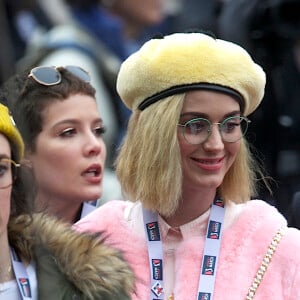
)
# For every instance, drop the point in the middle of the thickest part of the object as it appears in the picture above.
(21, 276)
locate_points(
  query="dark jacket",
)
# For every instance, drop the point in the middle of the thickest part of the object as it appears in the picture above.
(71, 265)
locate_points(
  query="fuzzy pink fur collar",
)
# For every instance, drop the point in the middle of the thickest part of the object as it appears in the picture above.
(243, 246)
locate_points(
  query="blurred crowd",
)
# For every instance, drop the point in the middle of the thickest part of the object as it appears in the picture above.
(100, 34)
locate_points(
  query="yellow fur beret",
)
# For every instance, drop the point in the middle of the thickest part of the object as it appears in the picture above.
(185, 61)
(9, 129)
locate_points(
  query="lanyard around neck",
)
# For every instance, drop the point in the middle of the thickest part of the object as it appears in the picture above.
(21, 275)
(209, 258)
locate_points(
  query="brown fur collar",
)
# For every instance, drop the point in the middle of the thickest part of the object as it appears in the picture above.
(88, 263)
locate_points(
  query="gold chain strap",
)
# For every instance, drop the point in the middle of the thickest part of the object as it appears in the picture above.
(265, 263)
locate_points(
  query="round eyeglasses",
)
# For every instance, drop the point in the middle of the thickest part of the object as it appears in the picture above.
(7, 172)
(51, 76)
(198, 130)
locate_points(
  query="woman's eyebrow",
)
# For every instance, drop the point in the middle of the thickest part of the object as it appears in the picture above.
(194, 114)
(204, 115)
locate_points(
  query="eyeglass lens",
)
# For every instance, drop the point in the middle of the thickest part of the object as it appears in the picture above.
(46, 75)
(197, 131)
(7, 172)
(51, 76)
(79, 72)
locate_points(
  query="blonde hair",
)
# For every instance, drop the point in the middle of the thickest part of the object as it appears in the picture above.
(239, 183)
(149, 162)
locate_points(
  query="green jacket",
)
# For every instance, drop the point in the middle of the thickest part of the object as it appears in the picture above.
(72, 265)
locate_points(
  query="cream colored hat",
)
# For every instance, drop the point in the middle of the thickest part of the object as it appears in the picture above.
(9, 129)
(185, 61)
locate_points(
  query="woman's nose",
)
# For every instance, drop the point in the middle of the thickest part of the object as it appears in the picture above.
(214, 140)
(94, 145)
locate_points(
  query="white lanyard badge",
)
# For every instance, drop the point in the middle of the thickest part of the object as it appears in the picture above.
(209, 259)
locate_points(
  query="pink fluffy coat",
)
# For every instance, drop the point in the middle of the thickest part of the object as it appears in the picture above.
(243, 246)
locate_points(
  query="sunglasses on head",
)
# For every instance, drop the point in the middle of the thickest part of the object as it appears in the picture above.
(51, 75)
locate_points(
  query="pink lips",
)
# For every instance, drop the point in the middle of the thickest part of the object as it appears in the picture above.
(210, 164)
(93, 174)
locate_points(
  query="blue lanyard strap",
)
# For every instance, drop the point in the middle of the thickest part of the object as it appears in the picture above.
(21, 276)
(209, 259)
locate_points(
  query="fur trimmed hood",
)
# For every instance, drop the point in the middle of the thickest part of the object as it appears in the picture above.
(92, 267)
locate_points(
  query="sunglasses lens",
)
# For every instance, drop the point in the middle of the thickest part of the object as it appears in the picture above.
(46, 75)
(79, 72)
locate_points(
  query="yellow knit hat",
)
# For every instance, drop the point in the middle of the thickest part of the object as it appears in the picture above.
(185, 61)
(9, 129)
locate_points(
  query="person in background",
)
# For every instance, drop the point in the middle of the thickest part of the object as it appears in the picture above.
(130, 22)
(56, 112)
(7, 59)
(21, 21)
(270, 32)
(11, 151)
(86, 40)
(191, 180)
(42, 257)
(196, 14)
